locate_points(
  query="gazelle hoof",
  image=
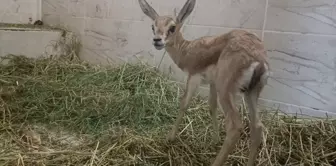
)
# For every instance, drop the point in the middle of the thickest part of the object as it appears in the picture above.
(171, 137)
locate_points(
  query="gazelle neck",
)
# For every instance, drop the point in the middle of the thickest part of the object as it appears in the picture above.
(177, 48)
(178, 42)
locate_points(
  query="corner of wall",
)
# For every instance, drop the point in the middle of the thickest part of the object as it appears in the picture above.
(265, 19)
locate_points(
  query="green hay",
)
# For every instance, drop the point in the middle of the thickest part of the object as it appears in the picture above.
(61, 112)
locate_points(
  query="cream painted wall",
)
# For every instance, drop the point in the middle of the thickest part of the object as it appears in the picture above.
(300, 37)
(19, 11)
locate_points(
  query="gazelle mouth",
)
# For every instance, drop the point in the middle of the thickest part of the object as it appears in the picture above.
(159, 46)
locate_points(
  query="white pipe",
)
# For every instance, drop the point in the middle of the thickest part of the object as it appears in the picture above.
(39, 17)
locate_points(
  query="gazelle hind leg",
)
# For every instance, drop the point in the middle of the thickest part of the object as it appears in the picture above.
(260, 77)
(213, 112)
(255, 125)
(233, 125)
(193, 83)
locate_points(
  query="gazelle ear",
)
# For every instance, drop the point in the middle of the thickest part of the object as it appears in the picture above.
(186, 10)
(175, 13)
(148, 10)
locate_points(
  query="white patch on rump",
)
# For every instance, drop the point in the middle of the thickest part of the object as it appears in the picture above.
(246, 77)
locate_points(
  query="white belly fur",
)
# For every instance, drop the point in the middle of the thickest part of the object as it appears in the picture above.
(209, 74)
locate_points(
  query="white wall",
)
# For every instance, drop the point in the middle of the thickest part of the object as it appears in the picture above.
(19, 11)
(300, 37)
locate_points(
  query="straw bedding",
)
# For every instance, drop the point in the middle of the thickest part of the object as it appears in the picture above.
(62, 112)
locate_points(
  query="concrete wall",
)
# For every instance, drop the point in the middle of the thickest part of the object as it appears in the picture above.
(300, 37)
(19, 11)
(31, 43)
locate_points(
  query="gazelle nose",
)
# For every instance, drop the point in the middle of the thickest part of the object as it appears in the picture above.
(157, 39)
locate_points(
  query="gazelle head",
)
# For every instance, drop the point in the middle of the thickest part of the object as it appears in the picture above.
(165, 27)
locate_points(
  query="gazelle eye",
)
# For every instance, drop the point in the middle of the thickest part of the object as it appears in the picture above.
(153, 27)
(172, 29)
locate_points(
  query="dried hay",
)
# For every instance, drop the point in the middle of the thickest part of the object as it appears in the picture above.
(61, 112)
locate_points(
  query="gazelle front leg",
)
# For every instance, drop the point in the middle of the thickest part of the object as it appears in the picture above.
(193, 83)
(213, 111)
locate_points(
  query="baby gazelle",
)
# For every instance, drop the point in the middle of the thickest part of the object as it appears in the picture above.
(231, 63)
